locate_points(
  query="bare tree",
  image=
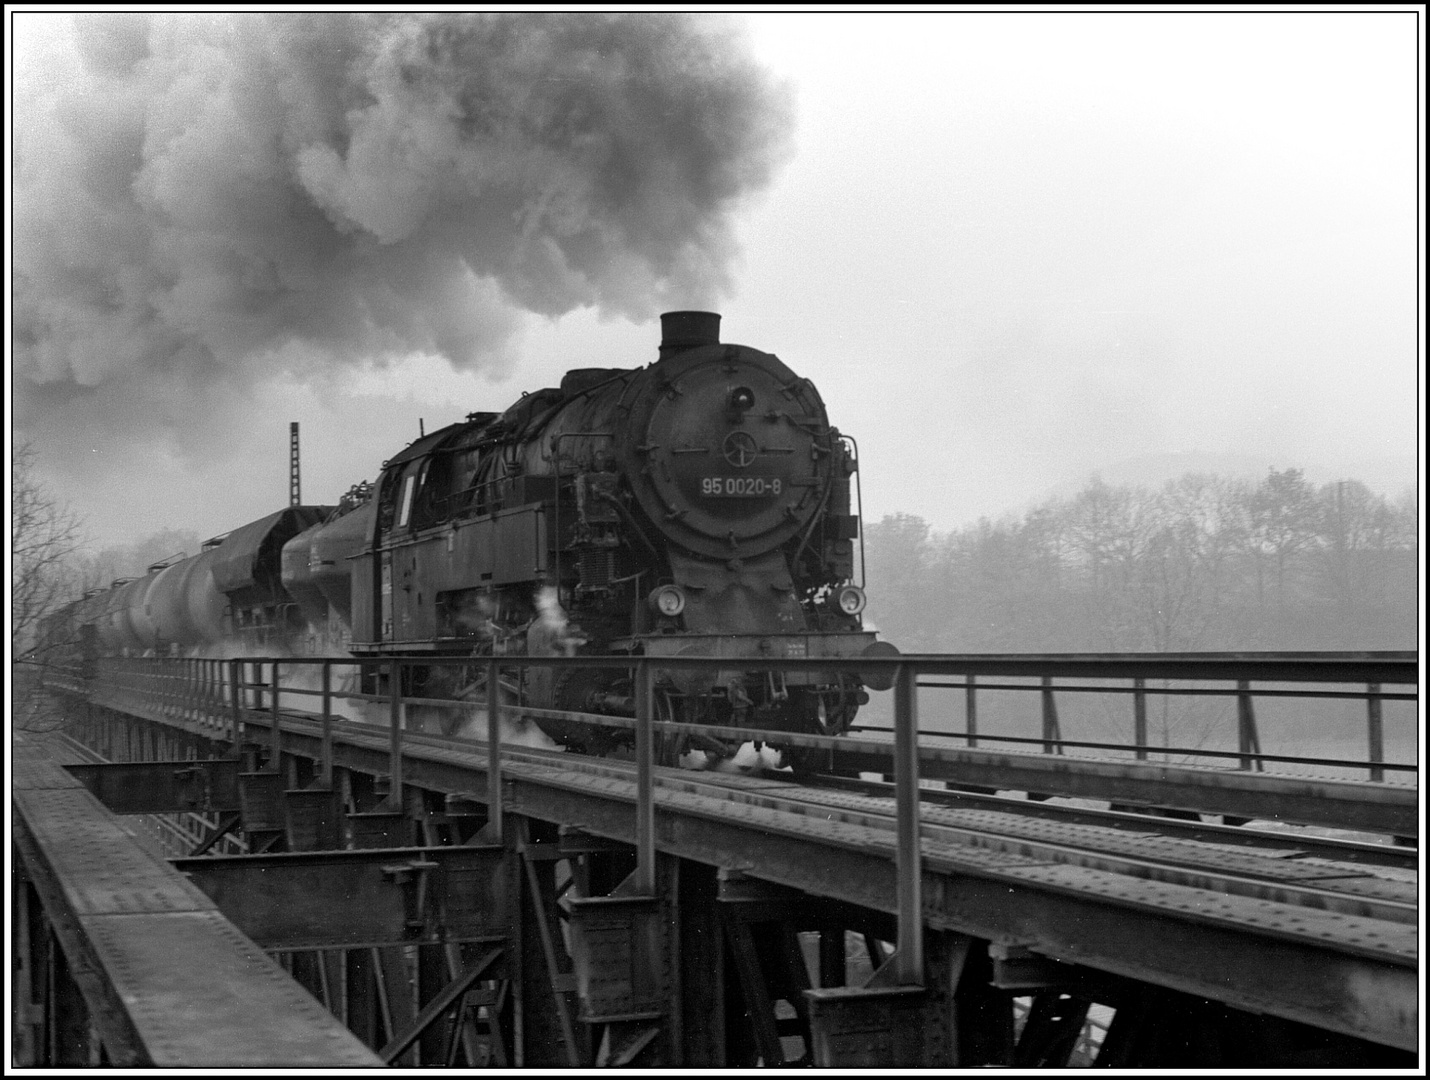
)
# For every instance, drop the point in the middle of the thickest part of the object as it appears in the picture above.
(44, 536)
(1112, 532)
(1285, 518)
(1188, 576)
(100, 569)
(898, 552)
(1359, 532)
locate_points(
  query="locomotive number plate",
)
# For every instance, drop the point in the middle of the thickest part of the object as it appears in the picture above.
(740, 487)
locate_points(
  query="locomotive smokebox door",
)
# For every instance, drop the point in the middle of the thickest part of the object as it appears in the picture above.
(731, 455)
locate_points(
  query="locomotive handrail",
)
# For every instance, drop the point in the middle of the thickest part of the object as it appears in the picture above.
(859, 494)
(465, 498)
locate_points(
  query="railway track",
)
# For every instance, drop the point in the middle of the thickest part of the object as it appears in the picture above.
(871, 802)
(1332, 877)
(1296, 869)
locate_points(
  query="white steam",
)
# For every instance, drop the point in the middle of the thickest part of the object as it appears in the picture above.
(516, 730)
(556, 630)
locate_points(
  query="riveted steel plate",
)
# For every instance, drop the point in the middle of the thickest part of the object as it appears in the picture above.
(855, 1028)
(97, 863)
(963, 858)
(1396, 892)
(617, 951)
(753, 781)
(201, 995)
(1147, 846)
(1349, 933)
(38, 772)
(346, 899)
(1312, 893)
(1184, 861)
(161, 787)
(1170, 850)
(1289, 837)
(25, 749)
(1337, 868)
(1187, 863)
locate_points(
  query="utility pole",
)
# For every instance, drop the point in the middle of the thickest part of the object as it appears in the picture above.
(295, 497)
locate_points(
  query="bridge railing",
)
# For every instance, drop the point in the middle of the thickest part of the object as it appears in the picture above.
(219, 695)
(194, 685)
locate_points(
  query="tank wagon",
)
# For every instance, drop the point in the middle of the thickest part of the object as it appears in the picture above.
(231, 593)
(700, 505)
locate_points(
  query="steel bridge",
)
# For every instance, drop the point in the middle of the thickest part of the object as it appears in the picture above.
(247, 862)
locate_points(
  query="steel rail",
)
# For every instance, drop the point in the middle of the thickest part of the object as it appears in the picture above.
(1303, 841)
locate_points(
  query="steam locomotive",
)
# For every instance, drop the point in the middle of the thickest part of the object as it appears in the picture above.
(700, 505)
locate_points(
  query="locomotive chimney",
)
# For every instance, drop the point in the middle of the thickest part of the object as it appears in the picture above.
(681, 330)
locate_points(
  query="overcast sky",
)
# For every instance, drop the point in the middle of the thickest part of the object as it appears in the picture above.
(1009, 249)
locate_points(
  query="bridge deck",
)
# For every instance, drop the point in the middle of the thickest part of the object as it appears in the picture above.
(166, 977)
(1329, 944)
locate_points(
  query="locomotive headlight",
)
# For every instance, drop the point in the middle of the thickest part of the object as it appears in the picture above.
(851, 600)
(669, 600)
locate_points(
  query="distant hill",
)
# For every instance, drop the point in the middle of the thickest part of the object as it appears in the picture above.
(1387, 476)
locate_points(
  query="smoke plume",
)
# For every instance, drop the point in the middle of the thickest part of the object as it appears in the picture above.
(204, 201)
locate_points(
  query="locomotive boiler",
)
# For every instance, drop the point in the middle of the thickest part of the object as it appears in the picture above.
(697, 506)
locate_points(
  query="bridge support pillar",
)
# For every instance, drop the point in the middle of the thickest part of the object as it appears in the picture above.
(643, 983)
(869, 1027)
(955, 1018)
(623, 965)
